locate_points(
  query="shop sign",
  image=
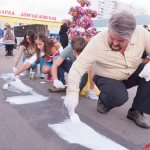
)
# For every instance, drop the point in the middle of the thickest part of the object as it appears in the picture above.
(27, 15)
(7, 12)
(37, 16)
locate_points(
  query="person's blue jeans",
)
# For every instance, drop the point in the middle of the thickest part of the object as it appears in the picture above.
(41, 64)
(33, 66)
(61, 76)
(66, 65)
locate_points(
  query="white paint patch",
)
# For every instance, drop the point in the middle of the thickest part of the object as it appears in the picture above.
(62, 97)
(19, 87)
(7, 86)
(42, 82)
(6, 76)
(35, 97)
(80, 133)
(15, 85)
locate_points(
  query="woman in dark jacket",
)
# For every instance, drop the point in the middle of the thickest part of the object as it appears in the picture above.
(63, 34)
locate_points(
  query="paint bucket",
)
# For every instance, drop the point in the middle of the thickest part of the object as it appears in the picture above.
(32, 75)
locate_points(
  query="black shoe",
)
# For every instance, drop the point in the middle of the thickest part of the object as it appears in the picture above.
(101, 108)
(138, 118)
(84, 80)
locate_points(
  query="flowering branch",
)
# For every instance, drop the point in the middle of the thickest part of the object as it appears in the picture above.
(86, 22)
(81, 20)
(91, 13)
(84, 2)
(77, 11)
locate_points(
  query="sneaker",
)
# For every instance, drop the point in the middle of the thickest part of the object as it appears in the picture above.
(49, 77)
(101, 108)
(84, 80)
(92, 95)
(42, 76)
(138, 118)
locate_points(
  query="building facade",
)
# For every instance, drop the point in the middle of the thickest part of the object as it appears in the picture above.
(107, 8)
(24, 18)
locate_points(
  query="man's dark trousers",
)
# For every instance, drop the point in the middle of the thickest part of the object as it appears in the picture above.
(114, 92)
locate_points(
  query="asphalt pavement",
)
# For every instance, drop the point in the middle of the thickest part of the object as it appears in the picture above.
(25, 127)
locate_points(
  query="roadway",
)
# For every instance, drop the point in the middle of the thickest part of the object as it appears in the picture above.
(25, 127)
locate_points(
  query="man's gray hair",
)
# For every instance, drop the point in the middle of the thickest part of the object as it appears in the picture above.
(122, 23)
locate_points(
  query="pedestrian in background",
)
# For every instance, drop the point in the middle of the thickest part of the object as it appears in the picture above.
(9, 40)
(63, 34)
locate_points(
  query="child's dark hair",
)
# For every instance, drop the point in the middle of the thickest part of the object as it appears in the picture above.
(78, 44)
(48, 44)
(31, 34)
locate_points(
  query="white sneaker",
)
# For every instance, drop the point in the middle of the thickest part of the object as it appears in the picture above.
(42, 76)
(92, 95)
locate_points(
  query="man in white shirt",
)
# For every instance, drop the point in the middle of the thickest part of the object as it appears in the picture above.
(116, 55)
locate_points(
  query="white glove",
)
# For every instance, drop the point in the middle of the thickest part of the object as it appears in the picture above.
(58, 84)
(14, 69)
(145, 73)
(71, 102)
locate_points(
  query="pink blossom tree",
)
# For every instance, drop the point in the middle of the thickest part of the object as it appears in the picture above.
(82, 23)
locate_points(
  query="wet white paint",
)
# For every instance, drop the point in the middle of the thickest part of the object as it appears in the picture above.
(6, 76)
(19, 87)
(7, 86)
(80, 133)
(26, 99)
(15, 85)
(62, 97)
(42, 82)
